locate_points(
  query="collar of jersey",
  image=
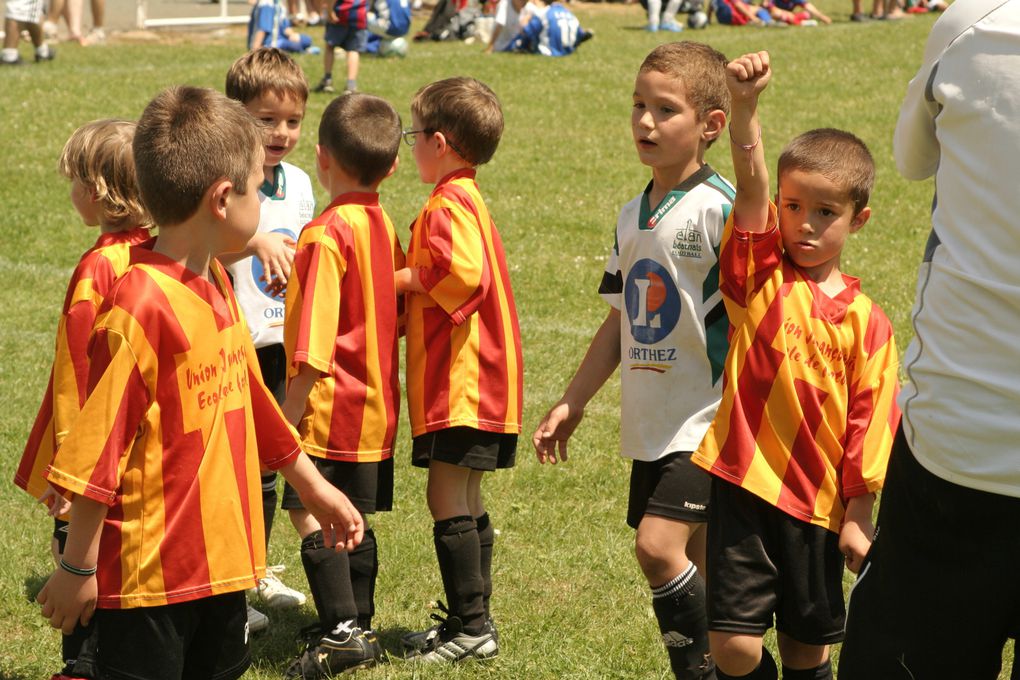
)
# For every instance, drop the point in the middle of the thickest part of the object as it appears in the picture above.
(646, 215)
(277, 189)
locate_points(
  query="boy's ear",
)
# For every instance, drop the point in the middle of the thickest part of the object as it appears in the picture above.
(715, 123)
(322, 158)
(218, 197)
(860, 219)
(393, 168)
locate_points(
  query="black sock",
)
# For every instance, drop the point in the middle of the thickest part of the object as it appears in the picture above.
(79, 651)
(364, 568)
(329, 579)
(459, 556)
(268, 505)
(822, 672)
(766, 670)
(679, 606)
(486, 537)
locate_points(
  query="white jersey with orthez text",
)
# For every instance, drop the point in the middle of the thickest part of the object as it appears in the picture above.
(663, 276)
(287, 204)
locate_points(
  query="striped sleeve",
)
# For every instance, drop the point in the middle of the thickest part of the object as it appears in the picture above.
(747, 260)
(277, 441)
(872, 414)
(92, 459)
(611, 286)
(314, 296)
(459, 277)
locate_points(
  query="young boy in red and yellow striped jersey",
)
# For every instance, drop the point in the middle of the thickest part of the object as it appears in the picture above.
(98, 160)
(800, 443)
(464, 365)
(341, 335)
(163, 461)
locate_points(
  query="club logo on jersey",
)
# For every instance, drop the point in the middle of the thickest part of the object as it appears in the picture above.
(653, 303)
(687, 241)
(258, 271)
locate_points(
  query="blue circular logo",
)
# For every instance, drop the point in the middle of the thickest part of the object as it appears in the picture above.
(257, 270)
(652, 302)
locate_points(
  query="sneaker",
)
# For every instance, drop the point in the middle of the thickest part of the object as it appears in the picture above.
(860, 17)
(45, 55)
(450, 644)
(15, 62)
(584, 36)
(96, 36)
(420, 640)
(50, 30)
(671, 26)
(257, 621)
(652, 28)
(272, 591)
(345, 648)
(325, 85)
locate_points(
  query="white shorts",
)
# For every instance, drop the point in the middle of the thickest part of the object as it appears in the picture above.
(28, 11)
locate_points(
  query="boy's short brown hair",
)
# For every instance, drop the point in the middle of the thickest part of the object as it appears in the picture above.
(266, 69)
(362, 134)
(838, 155)
(466, 111)
(99, 155)
(187, 139)
(700, 69)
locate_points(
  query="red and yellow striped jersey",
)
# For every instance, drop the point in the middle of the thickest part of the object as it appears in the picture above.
(809, 400)
(464, 363)
(99, 267)
(167, 438)
(342, 319)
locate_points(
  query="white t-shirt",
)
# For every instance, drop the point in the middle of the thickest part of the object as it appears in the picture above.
(286, 206)
(961, 122)
(663, 276)
(509, 21)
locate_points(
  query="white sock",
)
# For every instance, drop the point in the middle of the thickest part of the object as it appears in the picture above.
(10, 54)
(42, 51)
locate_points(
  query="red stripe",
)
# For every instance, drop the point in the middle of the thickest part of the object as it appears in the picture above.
(35, 443)
(436, 332)
(805, 470)
(110, 574)
(236, 428)
(437, 238)
(306, 268)
(184, 568)
(387, 340)
(350, 373)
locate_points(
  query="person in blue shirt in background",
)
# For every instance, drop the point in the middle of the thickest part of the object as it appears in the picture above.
(549, 30)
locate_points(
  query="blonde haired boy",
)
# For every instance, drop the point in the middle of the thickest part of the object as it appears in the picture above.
(164, 459)
(666, 330)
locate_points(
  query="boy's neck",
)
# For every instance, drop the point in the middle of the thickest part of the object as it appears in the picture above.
(450, 164)
(339, 185)
(116, 228)
(664, 180)
(829, 277)
(186, 244)
(269, 173)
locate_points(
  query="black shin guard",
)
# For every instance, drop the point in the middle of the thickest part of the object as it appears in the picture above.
(364, 562)
(679, 606)
(822, 672)
(459, 556)
(268, 505)
(486, 537)
(329, 579)
(766, 670)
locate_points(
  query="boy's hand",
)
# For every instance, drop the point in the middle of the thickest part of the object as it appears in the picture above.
(276, 253)
(855, 541)
(748, 75)
(342, 524)
(67, 599)
(553, 432)
(55, 501)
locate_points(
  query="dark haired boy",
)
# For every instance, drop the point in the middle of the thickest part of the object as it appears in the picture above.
(666, 330)
(343, 395)
(464, 365)
(800, 443)
(164, 459)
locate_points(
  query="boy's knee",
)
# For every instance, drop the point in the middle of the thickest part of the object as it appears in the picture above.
(735, 654)
(658, 560)
(800, 655)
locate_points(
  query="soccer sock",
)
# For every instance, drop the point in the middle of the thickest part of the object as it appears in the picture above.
(486, 537)
(10, 54)
(679, 606)
(654, 12)
(364, 568)
(822, 672)
(268, 505)
(352, 85)
(459, 556)
(669, 14)
(766, 670)
(329, 579)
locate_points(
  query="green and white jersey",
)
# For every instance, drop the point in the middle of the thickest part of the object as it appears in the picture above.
(287, 204)
(663, 276)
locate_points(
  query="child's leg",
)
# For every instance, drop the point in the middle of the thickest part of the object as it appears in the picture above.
(327, 60)
(741, 656)
(803, 661)
(364, 565)
(353, 62)
(455, 535)
(75, 9)
(486, 535)
(328, 573)
(12, 33)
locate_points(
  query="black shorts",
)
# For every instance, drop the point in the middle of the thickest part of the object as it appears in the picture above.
(203, 639)
(349, 38)
(369, 486)
(671, 486)
(938, 593)
(273, 365)
(466, 447)
(764, 563)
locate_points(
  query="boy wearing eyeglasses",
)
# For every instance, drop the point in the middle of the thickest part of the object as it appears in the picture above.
(341, 330)
(464, 367)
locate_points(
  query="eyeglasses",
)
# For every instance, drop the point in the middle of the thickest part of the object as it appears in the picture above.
(409, 135)
(410, 139)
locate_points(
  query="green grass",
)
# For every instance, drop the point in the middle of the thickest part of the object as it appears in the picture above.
(570, 600)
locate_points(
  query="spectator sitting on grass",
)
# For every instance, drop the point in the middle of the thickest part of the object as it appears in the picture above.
(550, 30)
(270, 26)
(738, 13)
(796, 12)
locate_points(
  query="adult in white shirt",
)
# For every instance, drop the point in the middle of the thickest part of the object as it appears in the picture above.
(939, 594)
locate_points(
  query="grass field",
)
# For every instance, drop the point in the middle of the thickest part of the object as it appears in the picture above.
(569, 598)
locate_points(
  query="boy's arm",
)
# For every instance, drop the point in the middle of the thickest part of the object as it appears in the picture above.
(298, 389)
(858, 531)
(817, 13)
(274, 250)
(342, 524)
(746, 77)
(407, 280)
(599, 362)
(458, 277)
(67, 598)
